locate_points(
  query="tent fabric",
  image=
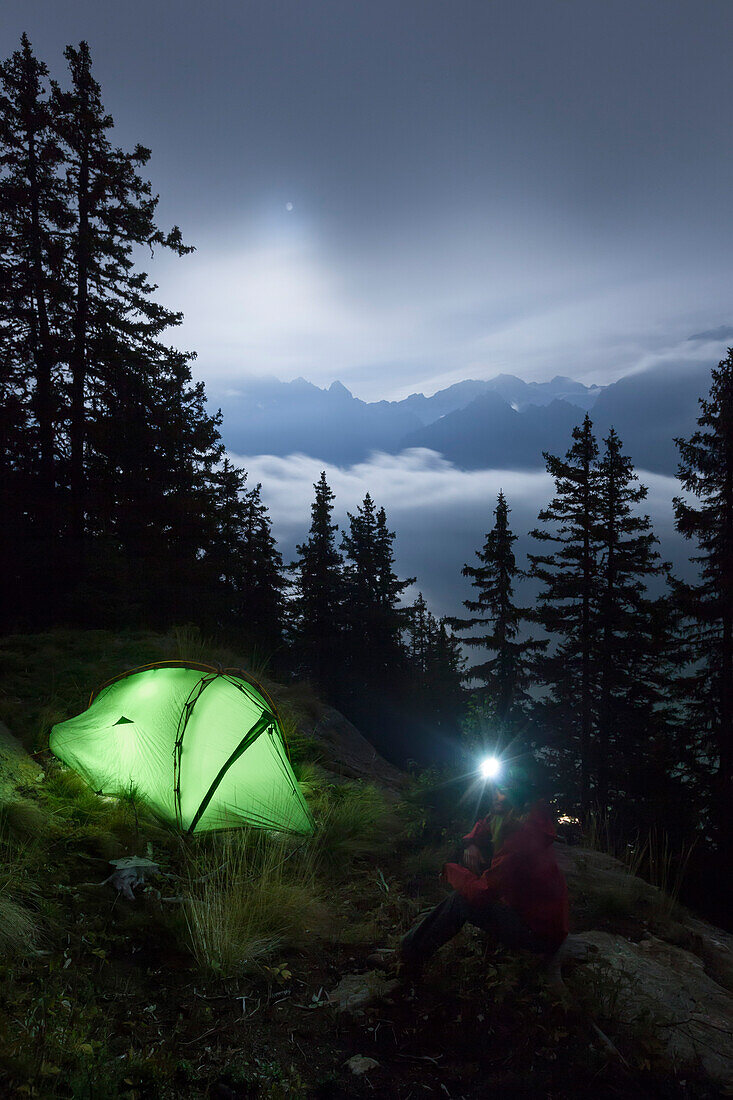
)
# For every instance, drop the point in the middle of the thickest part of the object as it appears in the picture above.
(203, 748)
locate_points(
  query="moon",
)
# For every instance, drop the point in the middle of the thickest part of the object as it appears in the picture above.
(288, 206)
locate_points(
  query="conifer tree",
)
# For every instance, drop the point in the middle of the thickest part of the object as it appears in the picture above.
(436, 665)
(33, 320)
(373, 621)
(318, 594)
(505, 674)
(627, 622)
(113, 311)
(568, 599)
(261, 587)
(93, 399)
(706, 472)
(32, 219)
(222, 564)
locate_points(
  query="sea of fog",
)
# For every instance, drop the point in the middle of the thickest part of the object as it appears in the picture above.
(440, 513)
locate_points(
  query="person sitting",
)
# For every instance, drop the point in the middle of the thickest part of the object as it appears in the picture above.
(508, 884)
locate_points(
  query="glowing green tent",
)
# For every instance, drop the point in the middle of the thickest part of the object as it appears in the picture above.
(202, 746)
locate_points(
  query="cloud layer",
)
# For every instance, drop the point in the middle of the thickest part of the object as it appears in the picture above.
(439, 513)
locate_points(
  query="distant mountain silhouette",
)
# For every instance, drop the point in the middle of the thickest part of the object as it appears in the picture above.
(265, 416)
(501, 423)
(648, 410)
(280, 418)
(518, 394)
(490, 433)
(651, 408)
(721, 333)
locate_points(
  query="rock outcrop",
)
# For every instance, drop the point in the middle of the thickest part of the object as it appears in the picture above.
(670, 978)
(346, 752)
(661, 990)
(17, 768)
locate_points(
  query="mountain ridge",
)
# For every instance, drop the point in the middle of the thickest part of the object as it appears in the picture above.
(502, 422)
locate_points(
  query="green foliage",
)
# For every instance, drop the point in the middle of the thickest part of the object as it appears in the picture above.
(23, 820)
(437, 804)
(48, 677)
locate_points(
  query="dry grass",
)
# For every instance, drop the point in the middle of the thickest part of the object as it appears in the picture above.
(653, 858)
(251, 894)
(19, 930)
(354, 821)
(663, 866)
(19, 865)
(23, 820)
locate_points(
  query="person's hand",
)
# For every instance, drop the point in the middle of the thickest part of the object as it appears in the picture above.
(473, 859)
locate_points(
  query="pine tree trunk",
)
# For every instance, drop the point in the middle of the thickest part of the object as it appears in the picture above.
(585, 690)
(725, 732)
(606, 666)
(43, 355)
(78, 356)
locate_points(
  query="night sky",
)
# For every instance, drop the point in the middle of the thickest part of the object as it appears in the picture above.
(407, 193)
(402, 194)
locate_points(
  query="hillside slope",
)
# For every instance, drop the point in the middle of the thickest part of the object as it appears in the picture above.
(242, 967)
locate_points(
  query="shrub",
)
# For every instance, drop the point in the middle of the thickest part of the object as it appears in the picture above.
(354, 820)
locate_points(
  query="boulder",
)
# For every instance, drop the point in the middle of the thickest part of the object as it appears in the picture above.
(347, 753)
(17, 768)
(663, 989)
(588, 871)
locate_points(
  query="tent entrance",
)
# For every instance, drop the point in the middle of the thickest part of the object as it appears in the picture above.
(257, 730)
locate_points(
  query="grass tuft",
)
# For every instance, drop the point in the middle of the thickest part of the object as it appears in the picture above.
(354, 821)
(19, 931)
(23, 820)
(250, 895)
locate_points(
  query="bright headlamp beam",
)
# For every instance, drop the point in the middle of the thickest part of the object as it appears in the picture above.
(490, 767)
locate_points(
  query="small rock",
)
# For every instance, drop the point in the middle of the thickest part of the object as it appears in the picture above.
(355, 991)
(360, 1064)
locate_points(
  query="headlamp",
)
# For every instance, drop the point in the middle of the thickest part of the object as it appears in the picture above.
(490, 767)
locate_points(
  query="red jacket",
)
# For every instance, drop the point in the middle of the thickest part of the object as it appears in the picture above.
(523, 875)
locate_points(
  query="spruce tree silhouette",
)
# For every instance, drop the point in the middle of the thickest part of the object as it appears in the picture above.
(436, 670)
(113, 311)
(111, 455)
(317, 604)
(34, 316)
(506, 674)
(706, 472)
(568, 602)
(374, 622)
(626, 623)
